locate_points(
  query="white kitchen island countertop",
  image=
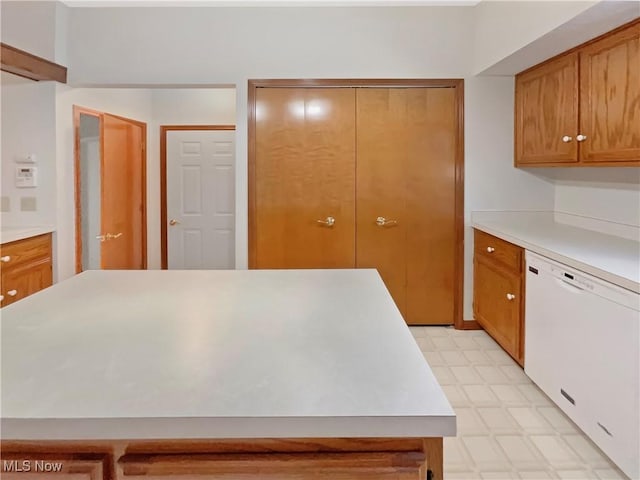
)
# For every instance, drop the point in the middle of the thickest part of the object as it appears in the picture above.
(216, 354)
(13, 234)
(612, 258)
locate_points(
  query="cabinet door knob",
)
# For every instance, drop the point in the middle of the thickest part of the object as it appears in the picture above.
(329, 221)
(5, 259)
(491, 249)
(12, 293)
(581, 138)
(567, 139)
(510, 296)
(1, 298)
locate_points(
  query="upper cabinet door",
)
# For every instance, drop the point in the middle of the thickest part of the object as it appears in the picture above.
(546, 120)
(610, 98)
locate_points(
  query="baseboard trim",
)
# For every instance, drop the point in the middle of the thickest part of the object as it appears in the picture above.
(470, 325)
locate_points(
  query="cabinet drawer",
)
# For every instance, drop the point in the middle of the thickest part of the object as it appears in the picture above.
(25, 251)
(493, 248)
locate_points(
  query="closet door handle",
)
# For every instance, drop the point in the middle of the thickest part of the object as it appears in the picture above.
(383, 222)
(329, 221)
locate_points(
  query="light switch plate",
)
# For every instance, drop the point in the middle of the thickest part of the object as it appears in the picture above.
(5, 204)
(28, 204)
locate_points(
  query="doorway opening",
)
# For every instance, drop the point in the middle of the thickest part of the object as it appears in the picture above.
(197, 196)
(110, 191)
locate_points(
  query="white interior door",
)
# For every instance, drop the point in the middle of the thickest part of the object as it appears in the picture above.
(200, 199)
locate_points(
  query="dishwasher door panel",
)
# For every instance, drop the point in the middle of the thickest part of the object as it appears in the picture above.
(553, 343)
(583, 350)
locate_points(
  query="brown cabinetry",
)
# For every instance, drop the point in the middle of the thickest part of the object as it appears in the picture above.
(583, 107)
(498, 301)
(25, 268)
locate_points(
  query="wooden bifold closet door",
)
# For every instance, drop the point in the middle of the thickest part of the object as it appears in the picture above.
(304, 176)
(406, 144)
(360, 177)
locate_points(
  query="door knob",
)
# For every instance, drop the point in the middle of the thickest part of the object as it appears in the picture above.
(173, 222)
(329, 221)
(510, 296)
(113, 236)
(567, 139)
(12, 293)
(491, 249)
(1, 298)
(5, 259)
(383, 222)
(581, 138)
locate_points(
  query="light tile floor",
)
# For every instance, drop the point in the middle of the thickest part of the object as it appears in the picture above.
(507, 428)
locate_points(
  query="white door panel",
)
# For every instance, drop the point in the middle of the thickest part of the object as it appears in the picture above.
(201, 199)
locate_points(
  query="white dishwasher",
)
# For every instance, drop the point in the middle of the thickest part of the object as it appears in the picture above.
(582, 339)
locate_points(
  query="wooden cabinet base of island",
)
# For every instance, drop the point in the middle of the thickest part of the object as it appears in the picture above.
(498, 303)
(237, 459)
(25, 268)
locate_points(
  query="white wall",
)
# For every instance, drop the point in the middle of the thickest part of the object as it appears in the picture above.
(198, 106)
(130, 103)
(610, 194)
(491, 181)
(28, 126)
(155, 107)
(30, 26)
(227, 46)
(504, 27)
(217, 46)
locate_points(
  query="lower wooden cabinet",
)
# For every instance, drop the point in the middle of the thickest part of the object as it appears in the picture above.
(228, 459)
(498, 298)
(26, 268)
(41, 466)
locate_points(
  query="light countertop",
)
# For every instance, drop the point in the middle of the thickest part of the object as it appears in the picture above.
(612, 258)
(216, 354)
(12, 234)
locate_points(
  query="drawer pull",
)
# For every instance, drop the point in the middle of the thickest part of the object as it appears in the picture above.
(510, 296)
(12, 293)
(605, 429)
(491, 249)
(5, 259)
(568, 397)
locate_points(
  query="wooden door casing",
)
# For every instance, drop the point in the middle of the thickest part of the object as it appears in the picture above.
(406, 144)
(304, 172)
(610, 98)
(122, 192)
(546, 112)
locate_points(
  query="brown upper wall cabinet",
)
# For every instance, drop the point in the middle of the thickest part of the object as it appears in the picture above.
(582, 108)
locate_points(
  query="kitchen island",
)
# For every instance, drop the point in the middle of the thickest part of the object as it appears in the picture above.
(221, 374)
